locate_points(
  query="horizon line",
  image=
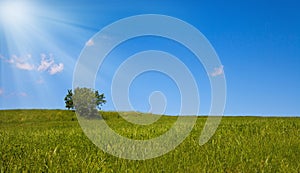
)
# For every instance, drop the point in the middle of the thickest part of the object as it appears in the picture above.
(225, 115)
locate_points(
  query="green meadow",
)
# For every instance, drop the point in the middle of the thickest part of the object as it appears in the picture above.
(53, 141)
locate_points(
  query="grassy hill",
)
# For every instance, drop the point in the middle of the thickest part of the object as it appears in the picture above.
(52, 141)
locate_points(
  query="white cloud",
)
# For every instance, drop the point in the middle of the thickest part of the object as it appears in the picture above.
(25, 66)
(8, 60)
(20, 62)
(15, 57)
(45, 63)
(11, 61)
(90, 42)
(218, 71)
(56, 68)
(21, 59)
(49, 65)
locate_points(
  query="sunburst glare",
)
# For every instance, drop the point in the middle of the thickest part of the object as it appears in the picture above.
(15, 12)
(34, 35)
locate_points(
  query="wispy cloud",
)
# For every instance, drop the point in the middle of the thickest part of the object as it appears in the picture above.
(21, 62)
(1, 91)
(10, 61)
(25, 66)
(47, 63)
(56, 68)
(218, 71)
(90, 42)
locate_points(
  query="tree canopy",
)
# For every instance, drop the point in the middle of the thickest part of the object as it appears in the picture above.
(85, 101)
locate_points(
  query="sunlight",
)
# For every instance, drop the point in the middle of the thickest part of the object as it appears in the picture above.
(14, 12)
(28, 30)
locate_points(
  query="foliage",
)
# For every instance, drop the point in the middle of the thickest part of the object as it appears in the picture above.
(100, 99)
(69, 100)
(49, 141)
(85, 101)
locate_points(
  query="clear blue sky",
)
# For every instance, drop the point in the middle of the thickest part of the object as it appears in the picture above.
(258, 43)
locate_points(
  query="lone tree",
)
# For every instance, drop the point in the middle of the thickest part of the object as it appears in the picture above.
(85, 101)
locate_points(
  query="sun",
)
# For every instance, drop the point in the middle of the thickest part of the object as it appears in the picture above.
(14, 12)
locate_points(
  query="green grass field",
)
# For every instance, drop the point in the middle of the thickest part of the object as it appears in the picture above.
(52, 141)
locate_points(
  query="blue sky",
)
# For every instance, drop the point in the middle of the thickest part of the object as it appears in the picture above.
(258, 43)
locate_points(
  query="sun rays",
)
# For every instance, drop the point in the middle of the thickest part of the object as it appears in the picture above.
(37, 53)
(15, 12)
